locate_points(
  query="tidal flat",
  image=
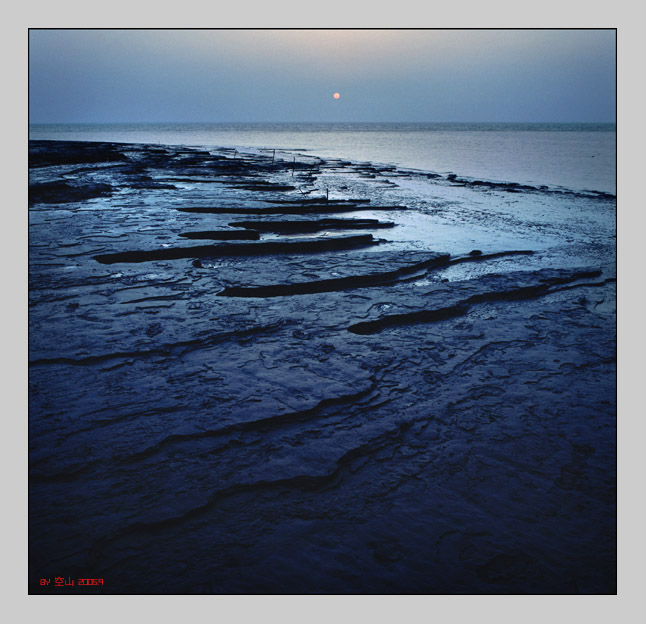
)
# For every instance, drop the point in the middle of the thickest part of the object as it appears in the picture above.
(273, 373)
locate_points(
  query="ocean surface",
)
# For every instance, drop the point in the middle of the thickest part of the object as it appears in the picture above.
(574, 156)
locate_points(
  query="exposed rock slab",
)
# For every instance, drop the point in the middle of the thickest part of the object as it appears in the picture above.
(303, 226)
(222, 235)
(241, 249)
(290, 209)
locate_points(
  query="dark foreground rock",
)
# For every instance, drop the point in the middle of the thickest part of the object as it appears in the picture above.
(415, 421)
(60, 192)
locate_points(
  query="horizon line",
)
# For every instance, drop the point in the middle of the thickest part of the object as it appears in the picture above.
(89, 123)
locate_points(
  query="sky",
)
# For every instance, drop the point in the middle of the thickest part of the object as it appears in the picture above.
(102, 76)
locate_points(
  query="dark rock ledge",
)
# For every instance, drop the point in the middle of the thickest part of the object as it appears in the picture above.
(222, 235)
(296, 209)
(241, 249)
(542, 287)
(306, 227)
(360, 281)
(336, 284)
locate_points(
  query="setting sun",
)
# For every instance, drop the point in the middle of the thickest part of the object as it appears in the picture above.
(337, 96)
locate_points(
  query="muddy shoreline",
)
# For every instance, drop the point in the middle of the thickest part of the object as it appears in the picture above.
(309, 404)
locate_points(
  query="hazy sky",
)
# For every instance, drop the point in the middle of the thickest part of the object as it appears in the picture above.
(291, 75)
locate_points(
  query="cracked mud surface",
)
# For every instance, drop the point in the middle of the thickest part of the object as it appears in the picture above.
(402, 418)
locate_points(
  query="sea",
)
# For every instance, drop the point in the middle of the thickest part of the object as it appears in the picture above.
(573, 156)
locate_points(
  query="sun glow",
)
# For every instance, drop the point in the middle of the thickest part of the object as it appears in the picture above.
(336, 96)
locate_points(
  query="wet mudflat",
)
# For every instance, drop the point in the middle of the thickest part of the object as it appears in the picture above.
(320, 409)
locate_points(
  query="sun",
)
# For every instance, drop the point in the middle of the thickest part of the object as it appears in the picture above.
(336, 96)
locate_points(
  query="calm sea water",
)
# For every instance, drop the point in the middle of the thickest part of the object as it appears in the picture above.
(572, 156)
